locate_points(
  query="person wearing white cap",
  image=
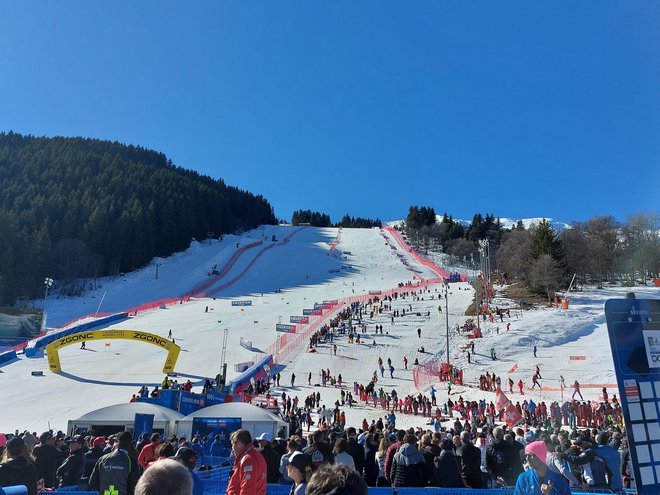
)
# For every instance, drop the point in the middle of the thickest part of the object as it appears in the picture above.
(272, 459)
(539, 480)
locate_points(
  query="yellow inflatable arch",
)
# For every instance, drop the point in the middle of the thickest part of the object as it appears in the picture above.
(52, 349)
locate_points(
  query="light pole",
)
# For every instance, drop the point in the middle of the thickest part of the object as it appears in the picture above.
(157, 267)
(48, 283)
(447, 319)
(484, 250)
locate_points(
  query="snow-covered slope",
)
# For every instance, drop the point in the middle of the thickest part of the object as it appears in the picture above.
(281, 282)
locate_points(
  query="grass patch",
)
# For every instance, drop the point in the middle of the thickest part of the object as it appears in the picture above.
(516, 292)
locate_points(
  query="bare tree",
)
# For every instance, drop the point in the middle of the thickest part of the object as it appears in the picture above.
(513, 256)
(546, 275)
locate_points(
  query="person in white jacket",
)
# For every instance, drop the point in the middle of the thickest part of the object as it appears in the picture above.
(341, 456)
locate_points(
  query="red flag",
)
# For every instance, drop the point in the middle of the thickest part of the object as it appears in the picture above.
(512, 416)
(501, 400)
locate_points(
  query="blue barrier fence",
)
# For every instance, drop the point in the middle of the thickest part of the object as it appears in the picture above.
(7, 356)
(215, 482)
(36, 346)
(13, 490)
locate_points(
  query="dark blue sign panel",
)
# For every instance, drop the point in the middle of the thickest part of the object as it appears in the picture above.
(299, 319)
(284, 327)
(212, 427)
(634, 330)
(143, 423)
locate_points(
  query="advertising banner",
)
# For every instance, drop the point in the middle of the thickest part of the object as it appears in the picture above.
(299, 319)
(312, 312)
(284, 327)
(332, 302)
(52, 349)
(634, 330)
(241, 303)
(143, 423)
(189, 403)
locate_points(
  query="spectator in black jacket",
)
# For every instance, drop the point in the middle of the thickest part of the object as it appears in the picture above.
(469, 461)
(499, 459)
(17, 467)
(73, 466)
(47, 459)
(430, 451)
(272, 459)
(370, 464)
(446, 466)
(94, 454)
(355, 450)
(517, 457)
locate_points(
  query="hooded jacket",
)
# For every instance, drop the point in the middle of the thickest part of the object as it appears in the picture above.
(46, 458)
(447, 471)
(19, 471)
(408, 467)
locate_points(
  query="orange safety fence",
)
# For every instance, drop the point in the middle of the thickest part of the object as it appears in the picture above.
(587, 385)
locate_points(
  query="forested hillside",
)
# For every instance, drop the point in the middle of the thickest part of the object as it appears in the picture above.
(74, 207)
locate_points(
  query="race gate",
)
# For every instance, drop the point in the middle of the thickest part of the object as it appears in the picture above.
(52, 349)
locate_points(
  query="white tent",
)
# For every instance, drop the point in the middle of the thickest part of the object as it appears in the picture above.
(120, 417)
(256, 420)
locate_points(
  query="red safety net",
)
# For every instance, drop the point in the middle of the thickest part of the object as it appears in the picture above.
(441, 272)
(431, 372)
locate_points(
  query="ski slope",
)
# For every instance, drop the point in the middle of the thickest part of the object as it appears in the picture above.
(282, 281)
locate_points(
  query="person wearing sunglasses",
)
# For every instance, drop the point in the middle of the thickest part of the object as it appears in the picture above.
(539, 480)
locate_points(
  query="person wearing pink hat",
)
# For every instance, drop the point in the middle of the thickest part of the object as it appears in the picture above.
(539, 480)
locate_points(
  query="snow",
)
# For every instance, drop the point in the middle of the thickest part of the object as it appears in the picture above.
(281, 281)
(507, 223)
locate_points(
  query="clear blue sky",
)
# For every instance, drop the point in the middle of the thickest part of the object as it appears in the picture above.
(520, 109)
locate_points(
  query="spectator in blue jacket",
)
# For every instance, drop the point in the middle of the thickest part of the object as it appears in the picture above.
(612, 460)
(539, 480)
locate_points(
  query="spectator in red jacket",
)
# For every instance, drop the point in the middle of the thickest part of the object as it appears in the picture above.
(249, 476)
(148, 452)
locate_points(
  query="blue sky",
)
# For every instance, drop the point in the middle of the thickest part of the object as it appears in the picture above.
(521, 109)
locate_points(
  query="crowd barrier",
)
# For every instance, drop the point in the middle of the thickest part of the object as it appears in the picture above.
(259, 369)
(293, 342)
(13, 490)
(7, 356)
(215, 482)
(36, 346)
